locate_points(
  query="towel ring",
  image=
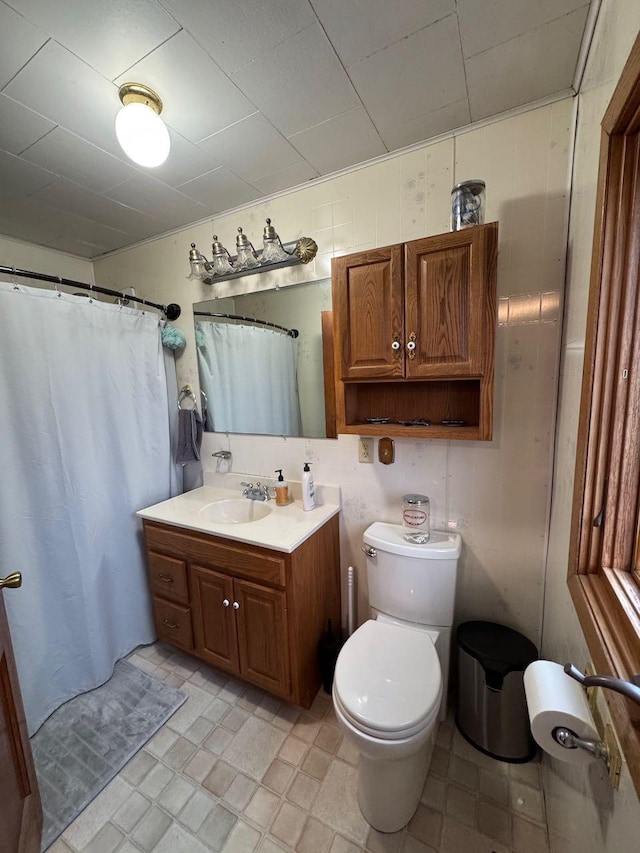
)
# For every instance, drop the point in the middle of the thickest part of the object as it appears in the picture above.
(186, 391)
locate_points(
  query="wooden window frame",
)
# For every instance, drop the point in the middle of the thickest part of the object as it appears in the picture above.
(604, 578)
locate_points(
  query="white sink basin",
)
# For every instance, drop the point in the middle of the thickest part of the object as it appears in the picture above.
(238, 511)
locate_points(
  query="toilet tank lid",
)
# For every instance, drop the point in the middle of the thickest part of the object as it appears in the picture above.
(390, 538)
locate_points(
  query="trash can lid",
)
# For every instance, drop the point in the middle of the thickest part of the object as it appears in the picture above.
(496, 647)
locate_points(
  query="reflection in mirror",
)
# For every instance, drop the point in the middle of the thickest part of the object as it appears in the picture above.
(256, 374)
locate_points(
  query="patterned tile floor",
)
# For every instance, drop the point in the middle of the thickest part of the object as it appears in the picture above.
(235, 770)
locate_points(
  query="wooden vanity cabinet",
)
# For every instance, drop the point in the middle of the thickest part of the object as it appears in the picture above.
(250, 611)
(415, 335)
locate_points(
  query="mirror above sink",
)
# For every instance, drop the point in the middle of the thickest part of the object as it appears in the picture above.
(257, 375)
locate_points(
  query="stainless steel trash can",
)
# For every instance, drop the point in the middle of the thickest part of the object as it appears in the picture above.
(492, 709)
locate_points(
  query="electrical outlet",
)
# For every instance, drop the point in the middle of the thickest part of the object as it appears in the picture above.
(365, 449)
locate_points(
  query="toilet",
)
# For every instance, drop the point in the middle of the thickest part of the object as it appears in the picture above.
(390, 683)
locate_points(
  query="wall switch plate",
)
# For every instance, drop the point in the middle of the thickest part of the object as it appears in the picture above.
(386, 451)
(365, 449)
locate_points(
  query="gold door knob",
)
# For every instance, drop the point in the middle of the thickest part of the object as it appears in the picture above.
(11, 581)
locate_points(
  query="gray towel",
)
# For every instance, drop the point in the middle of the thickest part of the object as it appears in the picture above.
(189, 436)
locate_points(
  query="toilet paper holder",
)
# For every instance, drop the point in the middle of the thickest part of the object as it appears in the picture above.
(607, 750)
(570, 740)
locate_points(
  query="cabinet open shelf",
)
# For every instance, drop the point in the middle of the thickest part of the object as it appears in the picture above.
(435, 400)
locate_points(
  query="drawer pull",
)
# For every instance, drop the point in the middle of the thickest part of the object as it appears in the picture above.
(236, 606)
(165, 578)
(170, 624)
(225, 603)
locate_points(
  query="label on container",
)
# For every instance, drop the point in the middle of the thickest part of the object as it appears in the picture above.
(414, 517)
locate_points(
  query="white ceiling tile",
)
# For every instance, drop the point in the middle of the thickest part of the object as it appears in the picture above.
(95, 233)
(362, 27)
(158, 200)
(185, 161)
(487, 23)
(300, 84)
(419, 128)
(20, 41)
(19, 126)
(220, 190)
(414, 76)
(25, 219)
(341, 141)
(109, 35)
(199, 99)
(284, 179)
(80, 161)
(58, 85)
(251, 148)
(21, 179)
(74, 199)
(74, 246)
(539, 63)
(235, 33)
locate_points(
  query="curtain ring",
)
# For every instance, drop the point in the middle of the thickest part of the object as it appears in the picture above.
(13, 279)
(57, 286)
(90, 293)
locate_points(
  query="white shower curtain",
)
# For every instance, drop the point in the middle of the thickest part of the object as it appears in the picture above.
(249, 375)
(85, 443)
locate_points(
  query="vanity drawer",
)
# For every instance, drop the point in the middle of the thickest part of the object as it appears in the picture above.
(173, 623)
(168, 577)
(248, 561)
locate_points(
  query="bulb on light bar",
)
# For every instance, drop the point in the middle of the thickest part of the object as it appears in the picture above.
(141, 132)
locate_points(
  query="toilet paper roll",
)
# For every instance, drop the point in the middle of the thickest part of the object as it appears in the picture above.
(556, 700)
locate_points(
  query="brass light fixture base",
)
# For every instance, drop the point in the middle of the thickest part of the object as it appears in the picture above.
(137, 93)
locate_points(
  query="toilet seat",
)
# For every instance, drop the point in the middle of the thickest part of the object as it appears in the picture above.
(388, 681)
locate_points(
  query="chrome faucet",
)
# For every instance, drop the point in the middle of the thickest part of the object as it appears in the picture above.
(257, 492)
(630, 689)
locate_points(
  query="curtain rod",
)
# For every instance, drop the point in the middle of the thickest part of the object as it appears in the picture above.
(292, 332)
(171, 311)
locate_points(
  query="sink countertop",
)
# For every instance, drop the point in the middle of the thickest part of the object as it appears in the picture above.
(284, 529)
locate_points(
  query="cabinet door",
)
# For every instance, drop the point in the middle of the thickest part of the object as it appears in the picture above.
(262, 636)
(214, 624)
(367, 306)
(446, 295)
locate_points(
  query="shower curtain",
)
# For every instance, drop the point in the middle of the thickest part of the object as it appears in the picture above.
(249, 376)
(85, 444)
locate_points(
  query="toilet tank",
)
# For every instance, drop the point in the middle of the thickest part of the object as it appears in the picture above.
(416, 583)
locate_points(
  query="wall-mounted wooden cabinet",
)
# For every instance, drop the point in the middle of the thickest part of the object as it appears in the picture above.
(250, 611)
(414, 329)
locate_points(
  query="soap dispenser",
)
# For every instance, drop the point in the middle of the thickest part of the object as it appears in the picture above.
(308, 491)
(282, 489)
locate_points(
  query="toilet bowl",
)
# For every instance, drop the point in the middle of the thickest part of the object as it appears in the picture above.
(387, 690)
(391, 675)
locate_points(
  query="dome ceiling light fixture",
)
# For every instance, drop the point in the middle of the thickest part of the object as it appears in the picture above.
(142, 134)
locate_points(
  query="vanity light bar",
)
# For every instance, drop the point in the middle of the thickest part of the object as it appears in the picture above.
(301, 251)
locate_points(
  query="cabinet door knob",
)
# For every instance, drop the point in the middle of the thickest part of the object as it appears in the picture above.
(170, 624)
(395, 346)
(225, 603)
(411, 345)
(165, 578)
(236, 606)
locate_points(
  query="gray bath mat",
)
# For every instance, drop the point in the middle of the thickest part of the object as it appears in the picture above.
(88, 740)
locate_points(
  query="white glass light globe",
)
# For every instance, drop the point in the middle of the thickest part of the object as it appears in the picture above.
(142, 135)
